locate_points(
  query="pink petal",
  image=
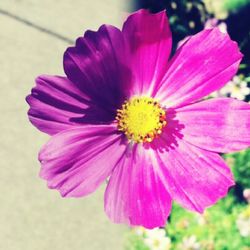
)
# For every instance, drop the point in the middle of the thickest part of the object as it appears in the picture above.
(54, 102)
(205, 63)
(221, 125)
(76, 161)
(57, 104)
(98, 65)
(150, 41)
(195, 178)
(135, 193)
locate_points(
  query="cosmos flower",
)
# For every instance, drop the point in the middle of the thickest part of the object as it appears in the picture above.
(126, 111)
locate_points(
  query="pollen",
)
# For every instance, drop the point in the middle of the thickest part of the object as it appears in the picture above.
(141, 119)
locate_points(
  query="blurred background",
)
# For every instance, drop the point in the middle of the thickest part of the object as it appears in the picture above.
(34, 35)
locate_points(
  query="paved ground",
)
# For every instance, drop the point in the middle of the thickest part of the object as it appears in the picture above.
(33, 37)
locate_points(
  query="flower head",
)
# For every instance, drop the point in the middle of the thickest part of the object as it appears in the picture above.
(141, 119)
(127, 112)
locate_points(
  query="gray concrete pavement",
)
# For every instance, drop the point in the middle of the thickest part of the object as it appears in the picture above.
(33, 217)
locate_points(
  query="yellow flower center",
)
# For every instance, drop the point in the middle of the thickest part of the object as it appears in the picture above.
(141, 119)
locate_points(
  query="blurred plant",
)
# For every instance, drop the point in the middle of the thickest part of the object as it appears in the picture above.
(186, 18)
(213, 230)
(217, 8)
(234, 5)
(239, 29)
(222, 8)
(140, 231)
(190, 243)
(246, 194)
(240, 163)
(156, 239)
(243, 222)
(133, 241)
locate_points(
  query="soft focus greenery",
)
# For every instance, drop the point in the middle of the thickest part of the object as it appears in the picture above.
(240, 163)
(232, 5)
(216, 229)
(226, 225)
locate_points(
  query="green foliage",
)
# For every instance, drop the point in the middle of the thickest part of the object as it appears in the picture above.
(186, 17)
(240, 163)
(233, 5)
(217, 226)
(135, 242)
(216, 229)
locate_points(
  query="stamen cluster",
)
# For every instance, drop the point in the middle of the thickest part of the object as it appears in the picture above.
(141, 119)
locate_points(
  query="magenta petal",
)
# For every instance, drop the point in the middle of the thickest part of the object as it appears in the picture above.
(135, 193)
(205, 63)
(57, 104)
(150, 41)
(98, 66)
(76, 161)
(54, 102)
(195, 178)
(220, 125)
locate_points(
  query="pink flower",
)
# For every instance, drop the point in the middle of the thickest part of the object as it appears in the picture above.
(125, 111)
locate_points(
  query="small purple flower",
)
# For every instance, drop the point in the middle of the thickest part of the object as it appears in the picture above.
(125, 111)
